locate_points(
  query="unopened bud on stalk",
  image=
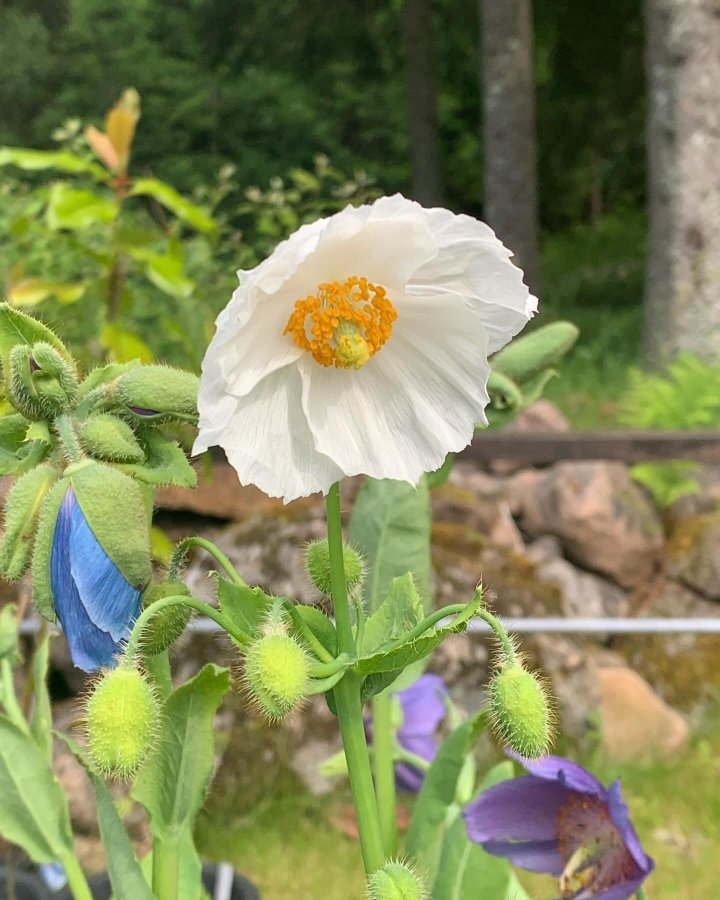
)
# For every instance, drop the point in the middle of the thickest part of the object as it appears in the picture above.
(122, 721)
(317, 561)
(277, 674)
(167, 624)
(396, 881)
(520, 711)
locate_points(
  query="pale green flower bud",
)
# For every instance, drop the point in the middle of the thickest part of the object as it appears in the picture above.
(396, 881)
(276, 674)
(168, 624)
(157, 394)
(317, 562)
(520, 712)
(122, 721)
(110, 439)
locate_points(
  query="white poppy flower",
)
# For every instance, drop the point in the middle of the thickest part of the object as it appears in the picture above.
(360, 346)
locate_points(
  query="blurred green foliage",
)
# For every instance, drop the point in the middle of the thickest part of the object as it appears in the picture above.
(266, 86)
(685, 395)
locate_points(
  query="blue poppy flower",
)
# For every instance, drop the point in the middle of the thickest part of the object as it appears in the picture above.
(95, 603)
(561, 820)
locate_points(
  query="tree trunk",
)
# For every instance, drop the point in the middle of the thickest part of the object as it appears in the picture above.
(508, 125)
(682, 292)
(427, 186)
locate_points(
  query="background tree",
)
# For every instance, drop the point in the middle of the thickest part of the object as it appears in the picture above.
(682, 303)
(509, 144)
(425, 155)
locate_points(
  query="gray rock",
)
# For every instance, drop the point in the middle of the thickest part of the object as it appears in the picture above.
(604, 522)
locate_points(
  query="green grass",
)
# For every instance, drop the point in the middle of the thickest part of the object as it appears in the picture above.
(593, 276)
(285, 840)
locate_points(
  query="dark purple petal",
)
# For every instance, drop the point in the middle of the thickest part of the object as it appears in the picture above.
(422, 706)
(408, 778)
(424, 746)
(621, 818)
(521, 809)
(536, 856)
(617, 892)
(568, 773)
(141, 411)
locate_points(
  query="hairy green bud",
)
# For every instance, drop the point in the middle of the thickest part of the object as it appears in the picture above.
(122, 721)
(531, 354)
(22, 511)
(17, 329)
(167, 624)
(51, 363)
(157, 394)
(108, 438)
(277, 674)
(520, 711)
(396, 881)
(317, 562)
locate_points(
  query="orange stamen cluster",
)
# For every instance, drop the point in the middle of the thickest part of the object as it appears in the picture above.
(344, 324)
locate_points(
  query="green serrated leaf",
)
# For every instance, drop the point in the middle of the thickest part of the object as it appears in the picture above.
(165, 463)
(13, 429)
(126, 876)
(465, 870)
(320, 625)
(182, 207)
(74, 208)
(399, 657)
(173, 783)
(391, 525)
(34, 811)
(400, 611)
(430, 818)
(244, 606)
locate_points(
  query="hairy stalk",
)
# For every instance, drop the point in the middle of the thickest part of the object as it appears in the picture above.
(384, 767)
(180, 553)
(348, 701)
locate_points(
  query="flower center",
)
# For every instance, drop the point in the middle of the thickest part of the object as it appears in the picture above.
(593, 851)
(344, 324)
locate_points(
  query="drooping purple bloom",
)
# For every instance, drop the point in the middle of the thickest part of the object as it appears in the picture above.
(95, 603)
(561, 820)
(423, 709)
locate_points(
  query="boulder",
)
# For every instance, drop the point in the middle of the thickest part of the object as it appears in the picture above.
(636, 724)
(581, 593)
(604, 521)
(693, 556)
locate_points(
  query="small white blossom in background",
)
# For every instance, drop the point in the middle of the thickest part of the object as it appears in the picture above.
(360, 346)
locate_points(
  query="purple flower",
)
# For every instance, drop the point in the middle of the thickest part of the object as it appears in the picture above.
(95, 603)
(423, 709)
(560, 819)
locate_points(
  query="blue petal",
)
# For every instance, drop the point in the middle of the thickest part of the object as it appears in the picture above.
(111, 602)
(90, 647)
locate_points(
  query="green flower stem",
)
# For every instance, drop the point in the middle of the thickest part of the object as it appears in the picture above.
(384, 766)
(500, 633)
(348, 701)
(76, 877)
(323, 685)
(182, 548)
(158, 668)
(323, 670)
(166, 870)
(310, 639)
(135, 639)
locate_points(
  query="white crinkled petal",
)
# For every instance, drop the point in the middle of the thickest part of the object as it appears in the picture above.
(416, 400)
(266, 439)
(474, 264)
